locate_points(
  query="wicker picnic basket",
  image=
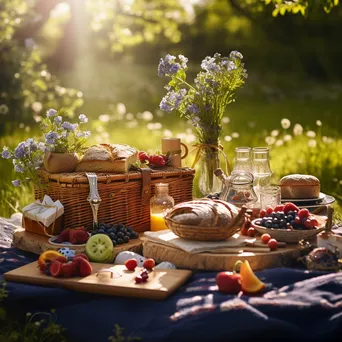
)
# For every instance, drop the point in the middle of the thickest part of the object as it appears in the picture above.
(125, 197)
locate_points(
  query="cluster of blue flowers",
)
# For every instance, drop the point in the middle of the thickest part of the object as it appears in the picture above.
(205, 101)
(60, 136)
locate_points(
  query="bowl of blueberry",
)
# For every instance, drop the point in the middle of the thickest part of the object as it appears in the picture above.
(288, 223)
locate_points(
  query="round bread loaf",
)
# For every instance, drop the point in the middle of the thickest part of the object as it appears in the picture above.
(297, 186)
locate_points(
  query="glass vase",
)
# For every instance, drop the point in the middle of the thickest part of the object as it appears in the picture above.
(208, 183)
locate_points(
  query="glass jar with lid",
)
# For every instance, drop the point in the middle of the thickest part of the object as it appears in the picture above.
(160, 204)
(239, 190)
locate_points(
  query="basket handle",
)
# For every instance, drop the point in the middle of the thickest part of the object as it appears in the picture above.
(146, 186)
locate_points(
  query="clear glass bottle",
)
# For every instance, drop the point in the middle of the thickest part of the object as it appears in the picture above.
(261, 168)
(160, 204)
(243, 160)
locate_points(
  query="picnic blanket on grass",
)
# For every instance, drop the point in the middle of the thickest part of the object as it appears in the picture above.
(297, 305)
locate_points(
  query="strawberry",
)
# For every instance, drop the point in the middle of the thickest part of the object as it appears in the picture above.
(143, 156)
(78, 236)
(69, 269)
(303, 213)
(81, 255)
(56, 268)
(279, 207)
(156, 160)
(61, 259)
(149, 263)
(290, 207)
(269, 210)
(262, 213)
(85, 267)
(63, 236)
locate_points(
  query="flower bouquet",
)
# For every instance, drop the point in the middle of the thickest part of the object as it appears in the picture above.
(61, 137)
(204, 103)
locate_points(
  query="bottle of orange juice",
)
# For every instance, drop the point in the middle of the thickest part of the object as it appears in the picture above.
(161, 203)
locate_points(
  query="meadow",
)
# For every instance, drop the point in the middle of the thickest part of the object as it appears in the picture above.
(122, 107)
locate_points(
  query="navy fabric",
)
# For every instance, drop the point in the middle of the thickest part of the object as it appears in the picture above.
(297, 305)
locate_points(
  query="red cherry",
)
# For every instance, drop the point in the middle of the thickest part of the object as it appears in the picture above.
(251, 232)
(265, 238)
(272, 244)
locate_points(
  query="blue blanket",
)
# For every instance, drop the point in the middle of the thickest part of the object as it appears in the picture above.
(297, 305)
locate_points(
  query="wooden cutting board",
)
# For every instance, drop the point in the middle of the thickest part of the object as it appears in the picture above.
(160, 284)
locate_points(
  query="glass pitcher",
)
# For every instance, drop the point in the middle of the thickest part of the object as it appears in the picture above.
(243, 160)
(239, 189)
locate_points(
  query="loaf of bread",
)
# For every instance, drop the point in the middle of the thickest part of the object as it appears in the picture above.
(205, 212)
(114, 158)
(298, 186)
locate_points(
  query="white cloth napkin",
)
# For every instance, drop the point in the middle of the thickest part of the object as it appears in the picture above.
(168, 238)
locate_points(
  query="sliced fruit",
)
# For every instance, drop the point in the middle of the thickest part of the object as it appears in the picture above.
(85, 267)
(149, 264)
(69, 269)
(48, 255)
(81, 255)
(131, 264)
(56, 269)
(99, 248)
(250, 283)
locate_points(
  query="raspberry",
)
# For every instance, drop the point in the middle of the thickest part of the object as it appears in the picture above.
(156, 160)
(143, 156)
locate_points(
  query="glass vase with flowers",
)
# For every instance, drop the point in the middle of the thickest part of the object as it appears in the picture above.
(204, 103)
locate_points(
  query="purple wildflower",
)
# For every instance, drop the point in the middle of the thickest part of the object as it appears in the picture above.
(51, 137)
(193, 108)
(236, 54)
(19, 168)
(68, 126)
(20, 151)
(16, 182)
(51, 112)
(6, 154)
(58, 120)
(83, 118)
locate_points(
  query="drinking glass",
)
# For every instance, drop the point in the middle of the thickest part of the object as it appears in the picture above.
(243, 161)
(270, 196)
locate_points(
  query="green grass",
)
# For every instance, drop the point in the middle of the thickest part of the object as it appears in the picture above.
(258, 110)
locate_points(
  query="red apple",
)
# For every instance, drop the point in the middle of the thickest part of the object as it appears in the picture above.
(228, 282)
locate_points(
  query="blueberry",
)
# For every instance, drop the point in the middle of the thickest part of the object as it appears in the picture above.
(291, 212)
(119, 241)
(112, 235)
(102, 226)
(268, 224)
(120, 234)
(275, 225)
(101, 231)
(293, 223)
(282, 223)
(114, 242)
(129, 229)
(276, 220)
(211, 196)
(110, 230)
(128, 234)
(290, 218)
(125, 239)
(274, 215)
(135, 235)
(94, 232)
(123, 230)
(120, 225)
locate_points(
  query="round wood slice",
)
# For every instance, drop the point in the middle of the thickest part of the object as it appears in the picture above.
(37, 244)
(219, 261)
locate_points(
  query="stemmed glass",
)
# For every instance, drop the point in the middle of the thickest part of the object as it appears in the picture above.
(243, 161)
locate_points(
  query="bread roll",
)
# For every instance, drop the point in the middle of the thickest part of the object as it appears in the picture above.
(205, 213)
(114, 158)
(298, 186)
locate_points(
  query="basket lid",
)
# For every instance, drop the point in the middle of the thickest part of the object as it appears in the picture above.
(102, 177)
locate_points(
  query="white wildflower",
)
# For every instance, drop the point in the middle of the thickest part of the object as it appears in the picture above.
(132, 124)
(275, 133)
(279, 142)
(312, 143)
(147, 116)
(227, 138)
(235, 135)
(167, 133)
(287, 137)
(104, 117)
(225, 120)
(297, 129)
(36, 106)
(311, 134)
(270, 140)
(129, 116)
(285, 123)
(319, 123)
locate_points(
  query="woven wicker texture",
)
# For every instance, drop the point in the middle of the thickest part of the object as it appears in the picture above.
(120, 195)
(204, 233)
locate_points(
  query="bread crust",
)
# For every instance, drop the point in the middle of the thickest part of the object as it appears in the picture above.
(299, 186)
(113, 158)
